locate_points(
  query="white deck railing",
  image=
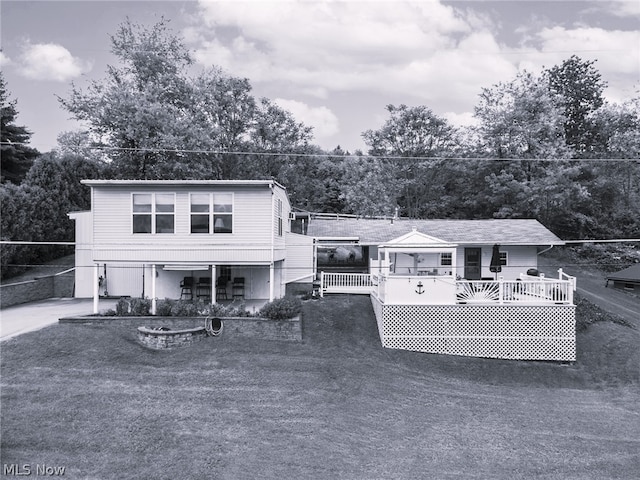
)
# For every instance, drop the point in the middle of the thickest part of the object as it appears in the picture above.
(540, 291)
(345, 283)
(525, 290)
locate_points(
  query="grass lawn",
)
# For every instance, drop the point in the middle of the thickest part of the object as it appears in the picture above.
(336, 406)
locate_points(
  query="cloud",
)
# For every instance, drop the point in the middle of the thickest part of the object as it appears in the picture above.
(48, 61)
(4, 60)
(623, 8)
(322, 119)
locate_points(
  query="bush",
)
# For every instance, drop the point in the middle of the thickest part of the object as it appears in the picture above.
(282, 308)
(136, 307)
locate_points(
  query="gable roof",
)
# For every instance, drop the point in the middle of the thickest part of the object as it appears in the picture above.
(492, 231)
(630, 274)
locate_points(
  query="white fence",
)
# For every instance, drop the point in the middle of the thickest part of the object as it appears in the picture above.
(345, 283)
(525, 290)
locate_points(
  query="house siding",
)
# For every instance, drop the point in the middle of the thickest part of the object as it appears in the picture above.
(249, 242)
(520, 258)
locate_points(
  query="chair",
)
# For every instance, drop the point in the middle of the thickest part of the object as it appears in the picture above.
(186, 288)
(203, 287)
(238, 287)
(221, 288)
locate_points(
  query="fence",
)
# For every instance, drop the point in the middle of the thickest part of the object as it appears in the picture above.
(345, 283)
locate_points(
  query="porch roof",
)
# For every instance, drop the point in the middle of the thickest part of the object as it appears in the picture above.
(465, 232)
(630, 274)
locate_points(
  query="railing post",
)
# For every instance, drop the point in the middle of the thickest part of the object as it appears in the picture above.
(322, 284)
(500, 289)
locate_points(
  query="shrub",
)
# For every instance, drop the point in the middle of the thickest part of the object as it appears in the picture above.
(163, 307)
(136, 307)
(282, 308)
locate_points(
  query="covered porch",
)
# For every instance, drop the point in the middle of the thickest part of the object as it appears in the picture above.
(254, 285)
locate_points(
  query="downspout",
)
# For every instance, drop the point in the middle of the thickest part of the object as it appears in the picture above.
(545, 250)
(273, 239)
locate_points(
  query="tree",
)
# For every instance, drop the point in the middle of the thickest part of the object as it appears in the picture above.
(16, 156)
(521, 122)
(579, 87)
(408, 135)
(159, 121)
(37, 210)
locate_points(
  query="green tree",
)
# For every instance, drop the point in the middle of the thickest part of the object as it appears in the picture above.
(578, 86)
(15, 155)
(409, 140)
(158, 120)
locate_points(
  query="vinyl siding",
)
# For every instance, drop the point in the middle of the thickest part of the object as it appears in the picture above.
(299, 263)
(519, 260)
(250, 241)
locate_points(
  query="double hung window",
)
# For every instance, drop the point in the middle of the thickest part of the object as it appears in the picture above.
(212, 213)
(446, 259)
(153, 213)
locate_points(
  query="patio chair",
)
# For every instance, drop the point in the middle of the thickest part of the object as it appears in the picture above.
(238, 287)
(203, 287)
(186, 288)
(221, 288)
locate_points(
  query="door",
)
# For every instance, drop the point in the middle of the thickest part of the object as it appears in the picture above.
(473, 263)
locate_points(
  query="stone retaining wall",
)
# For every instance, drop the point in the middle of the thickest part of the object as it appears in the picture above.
(290, 330)
(41, 288)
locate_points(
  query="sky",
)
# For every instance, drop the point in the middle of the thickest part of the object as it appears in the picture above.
(334, 65)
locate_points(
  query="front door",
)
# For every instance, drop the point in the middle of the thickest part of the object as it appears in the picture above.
(472, 263)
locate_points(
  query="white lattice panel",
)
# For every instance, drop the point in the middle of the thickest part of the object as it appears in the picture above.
(494, 331)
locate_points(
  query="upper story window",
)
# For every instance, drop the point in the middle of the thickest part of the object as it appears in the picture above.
(503, 258)
(211, 213)
(279, 216)
(154, 213)
(222, 213)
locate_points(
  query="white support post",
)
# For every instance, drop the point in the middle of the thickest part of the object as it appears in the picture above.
(154, 302)
(322, 284)
(500, 289)
(271, 282)
(214, 284)
(96, 287)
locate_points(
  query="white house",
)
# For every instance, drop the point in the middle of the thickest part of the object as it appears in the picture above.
(463, 287)
(216, 239)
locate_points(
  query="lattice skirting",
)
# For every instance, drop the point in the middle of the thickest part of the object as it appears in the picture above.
(523, 332)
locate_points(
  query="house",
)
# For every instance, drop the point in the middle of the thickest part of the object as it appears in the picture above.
(215, 239)
(463, 287)
(627, 279)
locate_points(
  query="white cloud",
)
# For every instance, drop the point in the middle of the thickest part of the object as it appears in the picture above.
(322, 119)
(48, 61)
(623, 8)
(4, 60)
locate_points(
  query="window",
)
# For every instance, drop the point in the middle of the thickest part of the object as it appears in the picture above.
(279, 216)
(503, 258)
(153, 213)
(211, 212)
(222, 213)
(200, 213)
(446, 259)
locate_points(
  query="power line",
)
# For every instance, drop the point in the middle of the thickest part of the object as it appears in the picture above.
(336, 156)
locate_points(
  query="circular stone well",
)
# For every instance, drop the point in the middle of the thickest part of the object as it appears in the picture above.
(164, 338)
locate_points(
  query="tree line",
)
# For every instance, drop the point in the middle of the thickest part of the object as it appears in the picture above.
(545, 146)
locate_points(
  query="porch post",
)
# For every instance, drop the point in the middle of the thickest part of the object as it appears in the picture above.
(214, 284)
(154, 302)
(271, 281)
(96, 287)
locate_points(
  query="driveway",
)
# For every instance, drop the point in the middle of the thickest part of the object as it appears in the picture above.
(28, 317)
(591, 285)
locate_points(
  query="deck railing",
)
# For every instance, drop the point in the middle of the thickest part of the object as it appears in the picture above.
(525, 290)
(345, 283)
(539, 291)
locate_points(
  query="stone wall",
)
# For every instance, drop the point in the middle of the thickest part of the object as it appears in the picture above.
(290, 330)
(161, 339)
(41, 288)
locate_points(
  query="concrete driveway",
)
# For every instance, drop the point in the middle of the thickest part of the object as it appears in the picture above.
(28, 317)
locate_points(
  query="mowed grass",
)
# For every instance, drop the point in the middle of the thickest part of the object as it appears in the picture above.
(336, 406)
